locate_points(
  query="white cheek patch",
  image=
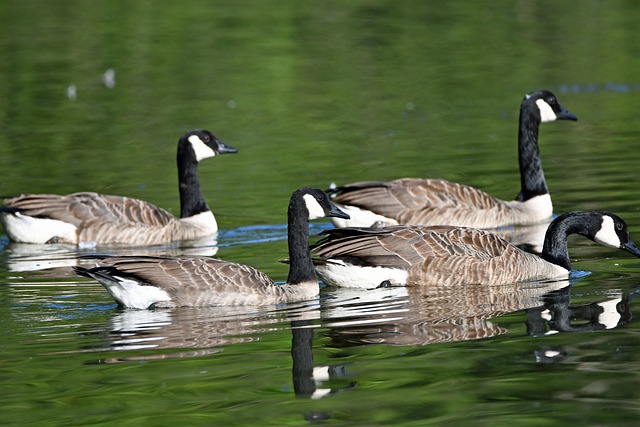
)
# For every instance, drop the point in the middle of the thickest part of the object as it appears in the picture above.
(315, 210)
(202, 150)
(546, 112)
(607, 235)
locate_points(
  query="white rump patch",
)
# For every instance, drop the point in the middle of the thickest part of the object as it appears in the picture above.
(338, 273)
(360, 218)
(26, 229)
(202, 150)
(546, 112)
(607, 235)
(315, 210)
(610, 317)
(132, 294)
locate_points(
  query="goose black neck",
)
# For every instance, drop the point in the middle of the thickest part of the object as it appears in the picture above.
(532, 181)
(555, 249)
(192, 201)
(301, 267)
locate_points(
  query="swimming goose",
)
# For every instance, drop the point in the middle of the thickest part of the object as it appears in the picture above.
(91, 218)
(417, 201)
(146, 282)
(368, 257)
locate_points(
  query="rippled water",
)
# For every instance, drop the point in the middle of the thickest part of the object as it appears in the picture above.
(313, 93)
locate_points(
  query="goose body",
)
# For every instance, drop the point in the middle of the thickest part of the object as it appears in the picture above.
(145, 282)
(90, 218)
(449, 255)
(423, 201)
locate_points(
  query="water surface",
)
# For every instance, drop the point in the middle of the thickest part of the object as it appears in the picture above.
(313, 93)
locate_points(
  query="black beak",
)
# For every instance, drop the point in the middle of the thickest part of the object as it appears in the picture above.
(565, 115)
(224, 148)
(631, 248)
(337, 213)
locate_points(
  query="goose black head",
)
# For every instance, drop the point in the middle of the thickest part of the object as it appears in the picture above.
(319, 205)
(205, 144)
(548, 106)
(613, 232)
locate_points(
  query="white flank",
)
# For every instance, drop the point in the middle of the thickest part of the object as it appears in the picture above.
(546, 112)
(360, 218)
(132, 294)
(315, 210)
(204, 220)
(27, 229)
(202, 150)
(607, 235)
(337, 273)
(540, 207)
(610, 317)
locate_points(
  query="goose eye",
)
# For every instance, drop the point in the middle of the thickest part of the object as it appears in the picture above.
(205, 138)
(619, 226)
(551, 100)
(320, 197)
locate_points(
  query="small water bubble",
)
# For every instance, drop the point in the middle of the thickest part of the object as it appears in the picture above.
(72, 92)
(409, 106)
(231, 104)
(109, 78)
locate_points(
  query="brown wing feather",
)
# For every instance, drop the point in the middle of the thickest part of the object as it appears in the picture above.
(86, 208)
(403, 246)
(421, 201)
(198, 281)
(436, 254)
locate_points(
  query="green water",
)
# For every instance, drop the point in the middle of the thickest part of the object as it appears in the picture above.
(313, 93)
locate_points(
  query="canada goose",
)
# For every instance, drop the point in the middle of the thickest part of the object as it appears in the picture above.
(418, 201)
(144, 282)
(91, 218)
(368, 257)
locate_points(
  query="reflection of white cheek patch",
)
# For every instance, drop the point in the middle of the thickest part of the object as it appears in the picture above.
(607, 235)
(610, 317)
(546, 112)
(314, 208)
(202, 150)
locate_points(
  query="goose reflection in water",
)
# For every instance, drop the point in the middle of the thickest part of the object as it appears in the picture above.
(557, 315)
(420, 315)
(53, 260)
(203, 330)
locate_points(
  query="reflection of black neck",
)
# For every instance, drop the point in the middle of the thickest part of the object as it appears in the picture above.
(562, 317)
(192, 201)
(301, 267)
(532, 181)
(302, 355)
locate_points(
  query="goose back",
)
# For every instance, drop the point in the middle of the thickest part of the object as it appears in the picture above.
(424, 201)
(425, 255)
(194, 282)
